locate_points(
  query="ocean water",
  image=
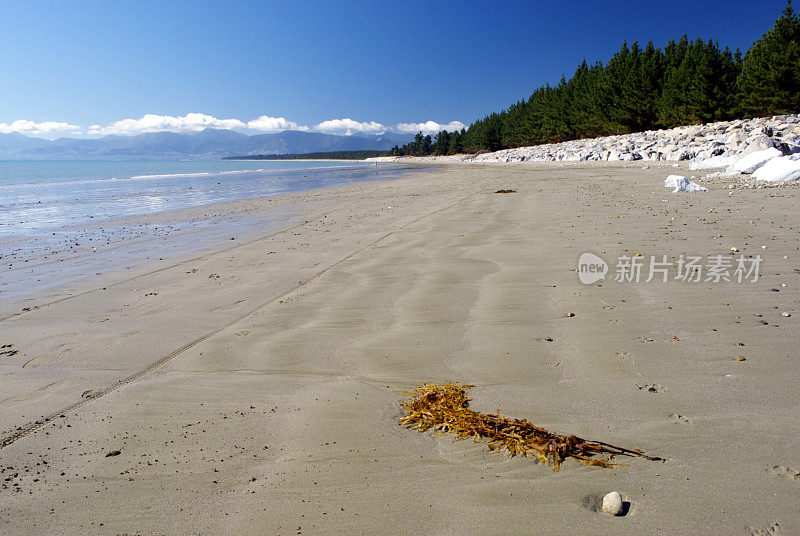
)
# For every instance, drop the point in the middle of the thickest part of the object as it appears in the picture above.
(39, 197)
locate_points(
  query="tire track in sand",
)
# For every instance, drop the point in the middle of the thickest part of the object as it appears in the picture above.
(34, 426)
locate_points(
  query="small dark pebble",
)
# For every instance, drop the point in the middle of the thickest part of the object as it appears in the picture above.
(113, 453)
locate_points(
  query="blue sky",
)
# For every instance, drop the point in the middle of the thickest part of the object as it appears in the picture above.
(315, 65)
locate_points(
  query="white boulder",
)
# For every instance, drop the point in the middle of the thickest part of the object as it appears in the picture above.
(682, 184)
(755, 160)
(782, 168)
(713, 162)
(760, 142)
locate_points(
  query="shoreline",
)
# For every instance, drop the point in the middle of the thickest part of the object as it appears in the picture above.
(252, 389)
(142, 239)
(291, 160)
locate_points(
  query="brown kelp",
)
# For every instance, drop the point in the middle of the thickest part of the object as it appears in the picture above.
(444, 408)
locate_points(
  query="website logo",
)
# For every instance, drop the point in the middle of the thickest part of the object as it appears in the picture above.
(591, 268)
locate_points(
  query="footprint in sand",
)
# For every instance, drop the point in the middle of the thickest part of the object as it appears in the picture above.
(773, 529)
(8, 350)
(783, 471)
(651, 387)
(677, 418)
(242, 333)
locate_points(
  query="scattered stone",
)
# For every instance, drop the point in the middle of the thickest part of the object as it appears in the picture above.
(113, 453)
(741, 358)
(612, 503)
(786, 314)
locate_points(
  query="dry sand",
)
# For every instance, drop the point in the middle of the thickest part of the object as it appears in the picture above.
(252, 391)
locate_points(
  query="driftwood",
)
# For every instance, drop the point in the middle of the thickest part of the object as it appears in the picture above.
(444, 408)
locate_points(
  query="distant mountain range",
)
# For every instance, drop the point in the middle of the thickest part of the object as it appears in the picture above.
(209, 144)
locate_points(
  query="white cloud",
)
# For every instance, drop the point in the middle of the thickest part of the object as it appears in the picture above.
(429, 127)
(273, 124)
(348, 127)
(193, 122)
(45, 129)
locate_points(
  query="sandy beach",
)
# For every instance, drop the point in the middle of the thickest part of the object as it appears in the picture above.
(249, 386)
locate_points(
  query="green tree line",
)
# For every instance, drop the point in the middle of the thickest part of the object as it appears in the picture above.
(686, 82)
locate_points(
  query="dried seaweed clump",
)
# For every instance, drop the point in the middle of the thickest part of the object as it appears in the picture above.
(444, 408)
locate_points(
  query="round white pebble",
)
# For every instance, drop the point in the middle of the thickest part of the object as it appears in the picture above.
(787, 314)
(612, 503)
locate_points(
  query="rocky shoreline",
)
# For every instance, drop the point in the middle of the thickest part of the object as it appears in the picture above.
(767, 147)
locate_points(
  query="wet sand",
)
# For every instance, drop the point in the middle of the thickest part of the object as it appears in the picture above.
(252, 390)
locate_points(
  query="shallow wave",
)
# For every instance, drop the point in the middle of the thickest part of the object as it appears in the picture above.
(122, 179)
(197, 174)
(11, 187)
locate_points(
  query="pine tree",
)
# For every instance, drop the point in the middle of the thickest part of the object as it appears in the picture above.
(770, 79)
(617, 84)
(456, 145)
(441, 143)
(687, 82)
